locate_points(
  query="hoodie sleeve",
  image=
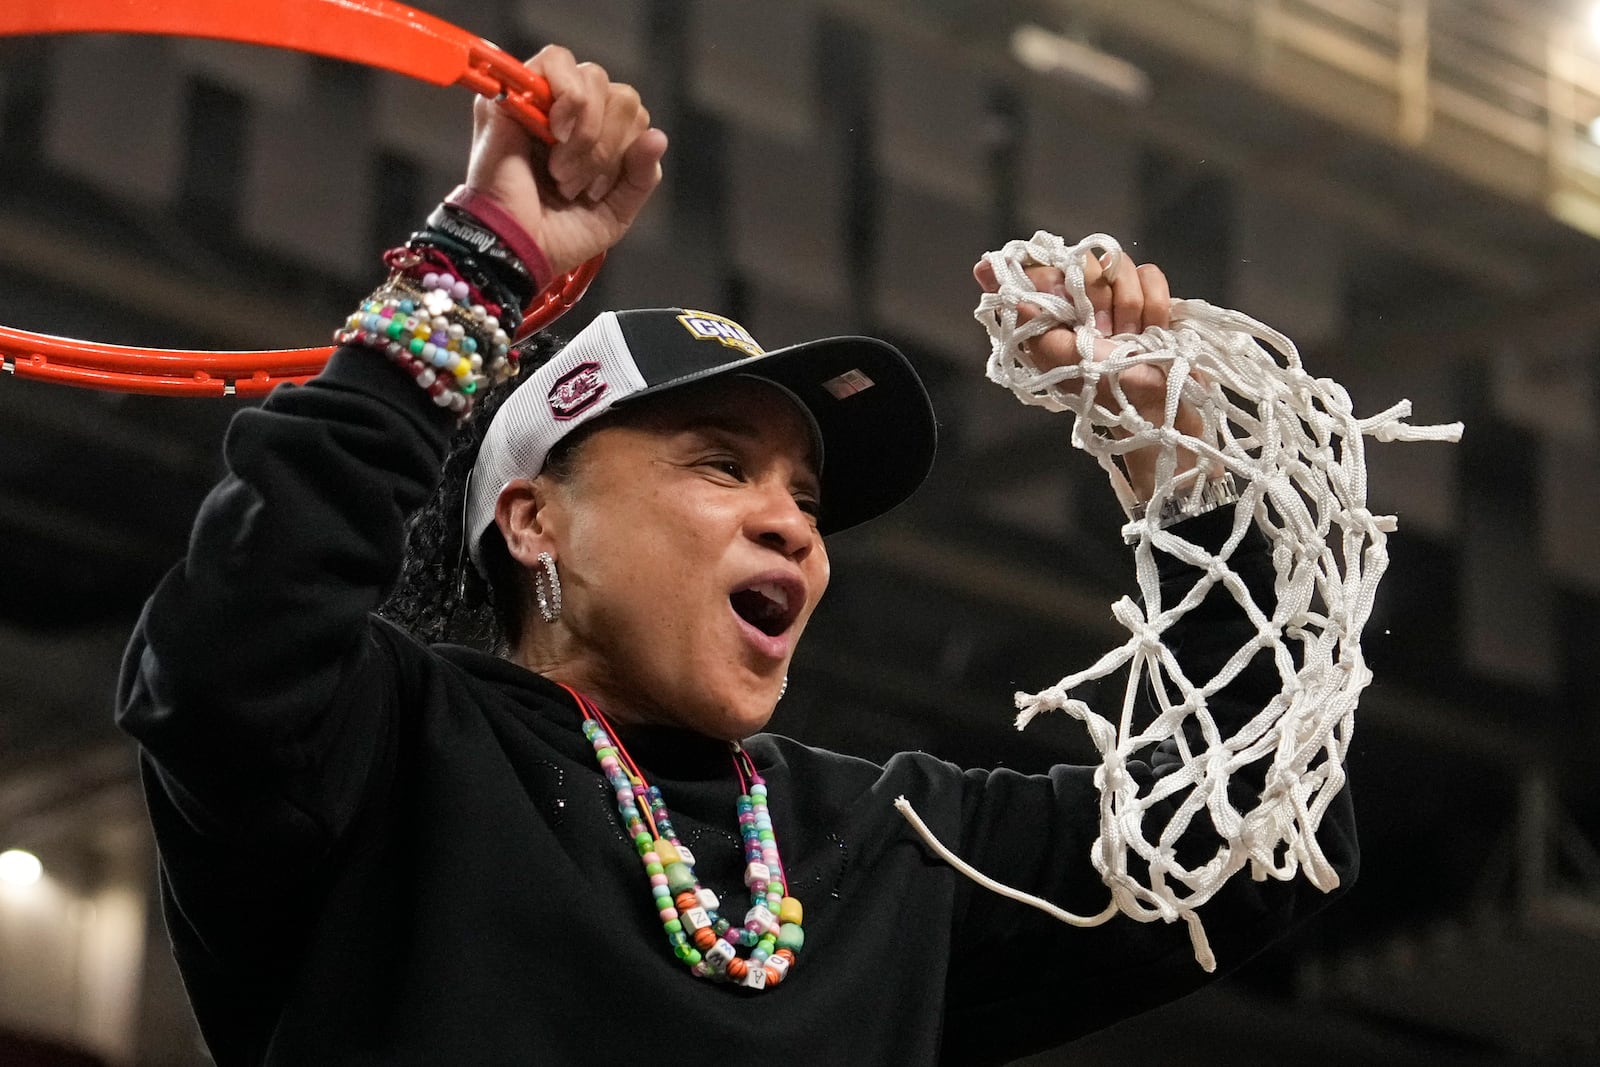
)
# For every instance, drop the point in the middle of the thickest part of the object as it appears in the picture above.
(252, 682)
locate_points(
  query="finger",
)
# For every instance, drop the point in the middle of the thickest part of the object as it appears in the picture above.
(577, 162)
(1097, 285)
(577, 118)
(1127, 300)
(1044, 280)
(1057, 346)
(625, 121)
(559, 68)
(983, 273)
(639, 176)
(1157, 296)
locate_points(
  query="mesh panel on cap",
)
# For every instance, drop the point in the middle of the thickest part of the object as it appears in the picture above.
(526, 427)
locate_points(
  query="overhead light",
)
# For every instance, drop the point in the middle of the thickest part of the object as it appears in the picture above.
(1040, 50)
(20, 868)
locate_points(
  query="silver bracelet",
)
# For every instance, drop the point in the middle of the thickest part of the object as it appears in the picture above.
(1176, 508)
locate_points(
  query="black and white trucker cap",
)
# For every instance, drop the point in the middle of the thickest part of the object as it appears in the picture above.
(874, 423)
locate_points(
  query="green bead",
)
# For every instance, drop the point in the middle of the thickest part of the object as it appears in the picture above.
(791, 937)
(673, 926)
(653, 868)
(642, 842)
(680, 879)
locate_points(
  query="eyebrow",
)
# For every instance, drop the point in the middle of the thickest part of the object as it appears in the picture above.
(737, 427)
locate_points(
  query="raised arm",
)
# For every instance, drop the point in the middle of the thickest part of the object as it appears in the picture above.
(248, 682)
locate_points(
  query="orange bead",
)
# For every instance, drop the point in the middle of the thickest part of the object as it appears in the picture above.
(704, 938)
(774, 976)
(737, 969)
(685, 901)
(786, 954)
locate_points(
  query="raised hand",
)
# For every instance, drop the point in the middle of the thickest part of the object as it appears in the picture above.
(575, 198)
(1127, 299)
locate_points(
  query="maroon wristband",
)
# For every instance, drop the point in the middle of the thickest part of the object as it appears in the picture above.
(516, 239)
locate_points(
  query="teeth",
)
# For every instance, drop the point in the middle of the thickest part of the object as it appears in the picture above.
(777, 597)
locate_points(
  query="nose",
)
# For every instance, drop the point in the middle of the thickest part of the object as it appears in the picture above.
(777, 521)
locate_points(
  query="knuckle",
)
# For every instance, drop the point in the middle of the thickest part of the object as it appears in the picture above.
(557, 53)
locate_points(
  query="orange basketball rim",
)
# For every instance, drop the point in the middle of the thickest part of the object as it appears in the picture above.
(375, 33)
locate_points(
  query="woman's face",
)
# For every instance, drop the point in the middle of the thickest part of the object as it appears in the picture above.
(686, 540)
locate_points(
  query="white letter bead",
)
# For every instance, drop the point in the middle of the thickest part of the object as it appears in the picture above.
(720, 955)
(760, 917)
(708, 900)
(695, 918)
(757, 872)
(686, 855)
(779, 964)
(755, 978)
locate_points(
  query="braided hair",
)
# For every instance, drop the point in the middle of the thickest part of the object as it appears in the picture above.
(439, 595)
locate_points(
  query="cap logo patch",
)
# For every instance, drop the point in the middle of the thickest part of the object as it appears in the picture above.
(576, 391)
(704, 326)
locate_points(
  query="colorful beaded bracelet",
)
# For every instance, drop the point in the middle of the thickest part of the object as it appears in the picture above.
(431, 250)
(423, 257)
(427, 326)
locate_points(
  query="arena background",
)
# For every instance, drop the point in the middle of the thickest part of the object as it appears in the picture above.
(1409, 189)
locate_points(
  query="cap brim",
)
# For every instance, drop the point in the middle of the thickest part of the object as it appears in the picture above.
(870, 407)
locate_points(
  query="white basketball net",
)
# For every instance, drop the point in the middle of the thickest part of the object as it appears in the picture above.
(1295, 450)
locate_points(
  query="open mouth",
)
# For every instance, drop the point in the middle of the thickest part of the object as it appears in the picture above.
(769, 606)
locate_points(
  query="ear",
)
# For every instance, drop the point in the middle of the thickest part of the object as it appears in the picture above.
(524, 512)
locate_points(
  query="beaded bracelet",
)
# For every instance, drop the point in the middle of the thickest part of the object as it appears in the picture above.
(491, 287)
(418, 260)
(429, 327)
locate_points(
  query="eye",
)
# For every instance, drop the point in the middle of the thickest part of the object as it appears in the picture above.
(808, 504)
(727, 465)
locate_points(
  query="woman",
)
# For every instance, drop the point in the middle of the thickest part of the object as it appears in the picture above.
(377, 850)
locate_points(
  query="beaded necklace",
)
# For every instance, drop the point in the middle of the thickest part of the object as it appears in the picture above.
(707, 943)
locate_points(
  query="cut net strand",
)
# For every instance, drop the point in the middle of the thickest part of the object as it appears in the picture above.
(1293, 445)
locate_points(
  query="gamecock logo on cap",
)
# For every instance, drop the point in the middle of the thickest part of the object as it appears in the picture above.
(576, 391)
